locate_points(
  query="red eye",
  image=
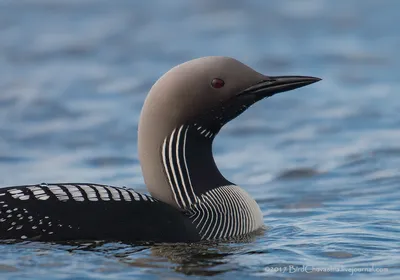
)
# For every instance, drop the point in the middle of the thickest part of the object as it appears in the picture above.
(217, 83)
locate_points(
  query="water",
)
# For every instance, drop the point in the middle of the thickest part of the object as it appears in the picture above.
(323, 162)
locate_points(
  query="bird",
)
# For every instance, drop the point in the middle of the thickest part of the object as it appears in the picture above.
(190, 200)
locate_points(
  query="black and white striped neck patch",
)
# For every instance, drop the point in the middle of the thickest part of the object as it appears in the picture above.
(176, 167)
(206, 133)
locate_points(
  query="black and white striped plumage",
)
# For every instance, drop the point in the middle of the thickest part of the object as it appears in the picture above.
(62, 212)
(222, 212)
(176, 167)
(225, 212)
(59, 212)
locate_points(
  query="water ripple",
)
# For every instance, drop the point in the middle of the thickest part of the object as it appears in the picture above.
(322, 162)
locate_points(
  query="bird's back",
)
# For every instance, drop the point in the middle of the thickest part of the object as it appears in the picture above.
(51, 212)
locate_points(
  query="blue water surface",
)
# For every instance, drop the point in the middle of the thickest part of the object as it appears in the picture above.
(323, 162)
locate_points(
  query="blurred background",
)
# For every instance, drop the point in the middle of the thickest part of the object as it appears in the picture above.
(323, 161)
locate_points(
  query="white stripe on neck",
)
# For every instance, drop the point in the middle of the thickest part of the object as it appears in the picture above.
(182, 189)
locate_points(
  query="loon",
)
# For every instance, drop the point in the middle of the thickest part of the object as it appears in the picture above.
(190, 199)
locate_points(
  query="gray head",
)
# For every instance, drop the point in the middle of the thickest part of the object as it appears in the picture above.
(184, 111)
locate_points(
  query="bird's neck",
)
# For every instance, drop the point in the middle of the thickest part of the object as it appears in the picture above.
(189, 166)
(179, 169)
(177, 163)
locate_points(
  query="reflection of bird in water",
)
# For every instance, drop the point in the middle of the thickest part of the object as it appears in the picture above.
(206, 258)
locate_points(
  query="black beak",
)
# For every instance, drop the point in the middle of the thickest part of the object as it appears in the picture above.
(273, 85)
